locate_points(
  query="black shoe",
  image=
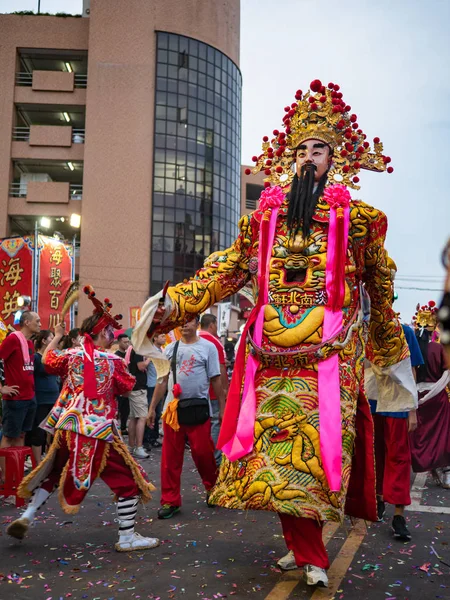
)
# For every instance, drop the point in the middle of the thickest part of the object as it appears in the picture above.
(124, 431)
(381, 509)
(167, 511)
(148, 447)
(155, 444)
(400, 529)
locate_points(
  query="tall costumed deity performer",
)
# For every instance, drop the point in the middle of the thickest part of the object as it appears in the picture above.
(430, 442)
(297, 435)
(86, 442)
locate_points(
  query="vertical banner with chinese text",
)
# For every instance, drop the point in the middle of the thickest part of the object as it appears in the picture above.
(55, 275)
(16, 274)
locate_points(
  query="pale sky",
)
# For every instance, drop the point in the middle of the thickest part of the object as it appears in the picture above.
(392, 60)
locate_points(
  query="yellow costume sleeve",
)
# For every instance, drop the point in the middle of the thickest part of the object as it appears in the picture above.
(223, 274)
(387, 344)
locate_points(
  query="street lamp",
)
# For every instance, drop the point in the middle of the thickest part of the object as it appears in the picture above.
(75, 220)
(24, 301)
(24, 304)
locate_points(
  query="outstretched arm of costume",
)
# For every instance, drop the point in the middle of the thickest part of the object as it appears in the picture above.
(56, 362)
(387, 343)
(387, 348)
(223, 274)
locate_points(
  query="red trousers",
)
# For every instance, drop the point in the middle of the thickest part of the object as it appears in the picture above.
(393, 459)
(202, 450)
(304, 538)
(116, 474)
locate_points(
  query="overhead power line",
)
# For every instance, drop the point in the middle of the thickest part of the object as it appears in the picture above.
(406, 287)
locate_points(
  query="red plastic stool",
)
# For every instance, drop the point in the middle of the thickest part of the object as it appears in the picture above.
(14, 468)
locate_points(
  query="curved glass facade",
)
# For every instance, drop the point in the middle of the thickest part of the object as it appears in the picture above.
(196, 183)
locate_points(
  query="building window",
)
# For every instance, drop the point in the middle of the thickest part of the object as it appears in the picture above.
(183, 60)
(252, 194)
(196, 185)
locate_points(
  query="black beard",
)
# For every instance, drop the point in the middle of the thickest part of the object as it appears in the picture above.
(303, 200)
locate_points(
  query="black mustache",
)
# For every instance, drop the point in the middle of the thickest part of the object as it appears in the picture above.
(308, 167)
(303, 199)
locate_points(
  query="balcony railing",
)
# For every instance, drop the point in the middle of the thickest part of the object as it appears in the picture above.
(25, 78)
(19, 190)
(76, 191)
(22, 134)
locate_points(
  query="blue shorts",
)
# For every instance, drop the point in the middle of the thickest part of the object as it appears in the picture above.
(18, 417)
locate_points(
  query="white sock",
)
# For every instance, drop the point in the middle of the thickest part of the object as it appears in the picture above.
(38, 499)
(126, 512)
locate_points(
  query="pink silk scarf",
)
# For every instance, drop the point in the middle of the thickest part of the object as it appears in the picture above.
(329, 389)
(241, 442)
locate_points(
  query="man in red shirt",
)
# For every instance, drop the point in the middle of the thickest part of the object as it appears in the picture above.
(17, 389)
(208, 331)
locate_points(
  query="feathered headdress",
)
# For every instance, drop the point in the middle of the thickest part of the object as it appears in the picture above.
(103, 309)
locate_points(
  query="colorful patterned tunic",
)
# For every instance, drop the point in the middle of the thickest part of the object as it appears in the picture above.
(284, 471)
(85, 431)
(72, 412)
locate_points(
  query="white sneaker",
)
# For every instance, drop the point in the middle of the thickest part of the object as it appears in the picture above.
(445, 478)
(287, 563)
(128, 543)
(139, 452)
(315, 576)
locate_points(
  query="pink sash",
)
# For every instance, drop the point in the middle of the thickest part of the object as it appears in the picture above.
(329, 388)
(241, 442)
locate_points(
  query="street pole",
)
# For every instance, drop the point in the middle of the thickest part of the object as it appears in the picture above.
(72, 308)
(39, 6)
(34, 300)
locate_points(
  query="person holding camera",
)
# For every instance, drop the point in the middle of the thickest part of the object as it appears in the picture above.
(194, 366)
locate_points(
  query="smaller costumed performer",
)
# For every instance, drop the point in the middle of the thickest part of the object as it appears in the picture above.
(430, 443)
(86, 442)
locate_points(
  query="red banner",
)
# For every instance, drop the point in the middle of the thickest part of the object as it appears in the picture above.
(55, 275)
(16, 274)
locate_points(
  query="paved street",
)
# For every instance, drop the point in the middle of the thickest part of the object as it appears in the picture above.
(209, 553)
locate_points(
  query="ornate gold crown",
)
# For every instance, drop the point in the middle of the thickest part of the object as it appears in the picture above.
(426, 315)
(321, 114)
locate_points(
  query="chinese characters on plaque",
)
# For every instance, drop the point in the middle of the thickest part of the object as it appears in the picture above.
(53, 276)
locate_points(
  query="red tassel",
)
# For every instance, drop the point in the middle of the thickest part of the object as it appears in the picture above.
(338, 291)
(90, 384)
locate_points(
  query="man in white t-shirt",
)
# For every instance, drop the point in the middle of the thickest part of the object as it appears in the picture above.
(208, 331)
(197, 367)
